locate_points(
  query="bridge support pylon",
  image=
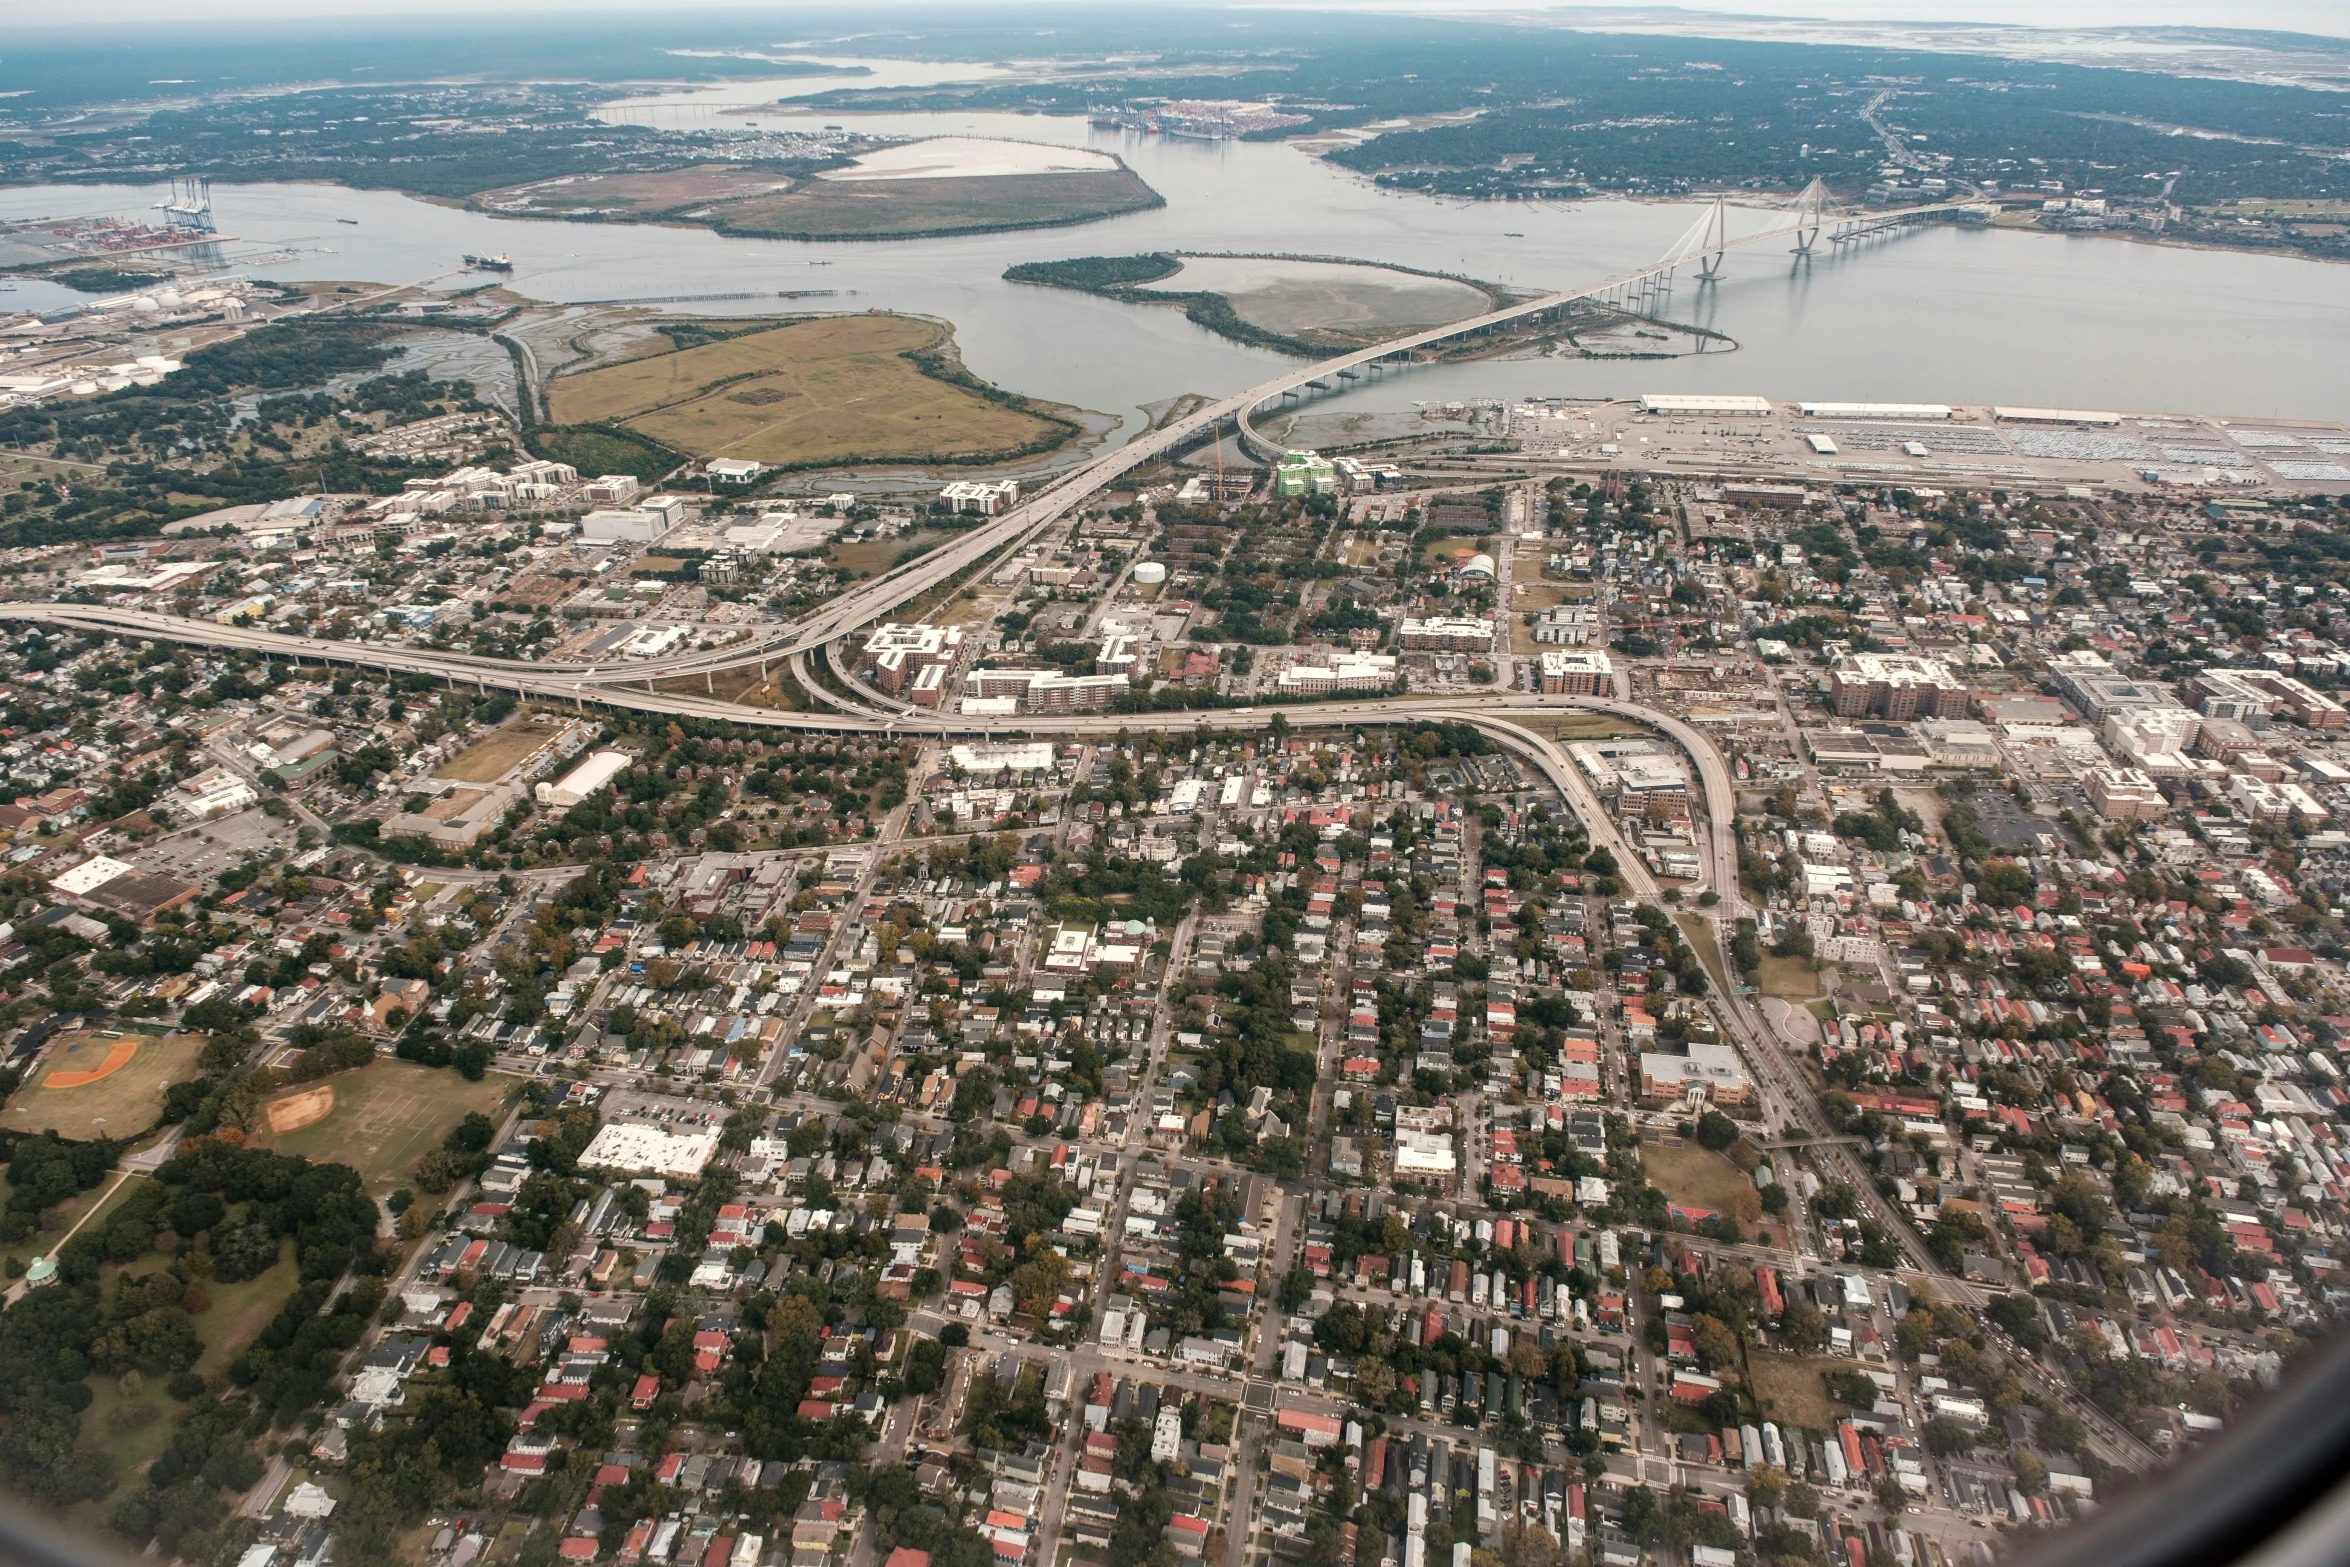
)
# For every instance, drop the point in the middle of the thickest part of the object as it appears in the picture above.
(1809, 204)
(1716, 242)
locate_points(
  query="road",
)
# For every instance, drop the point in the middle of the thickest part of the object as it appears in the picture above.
(256, 1501)
(1066, 1453)
(1510, 718)
(893, 828)
(872, 600)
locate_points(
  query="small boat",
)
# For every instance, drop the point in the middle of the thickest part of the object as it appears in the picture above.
(354, 222)
(1511, 234)
(497, 263)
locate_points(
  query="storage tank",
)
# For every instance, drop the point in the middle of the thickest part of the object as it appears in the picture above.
(1150, 573)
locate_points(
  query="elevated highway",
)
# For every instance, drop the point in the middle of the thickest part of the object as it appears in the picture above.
(1511, 719)
(1704, 247)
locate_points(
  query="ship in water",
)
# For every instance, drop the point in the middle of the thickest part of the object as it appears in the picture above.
(497, 263)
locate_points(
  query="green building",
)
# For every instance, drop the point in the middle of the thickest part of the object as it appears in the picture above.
(1304, 473)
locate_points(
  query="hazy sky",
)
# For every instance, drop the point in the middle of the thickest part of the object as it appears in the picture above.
(2331, 17)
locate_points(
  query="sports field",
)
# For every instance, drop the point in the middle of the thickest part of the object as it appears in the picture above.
(494, 755)
(379, 1120)
(839, 389)
(94, 1085)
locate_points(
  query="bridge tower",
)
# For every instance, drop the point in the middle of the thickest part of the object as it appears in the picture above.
(1809, 205)
(1715, 241)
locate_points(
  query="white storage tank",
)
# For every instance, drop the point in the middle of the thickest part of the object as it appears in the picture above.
(1150, 573)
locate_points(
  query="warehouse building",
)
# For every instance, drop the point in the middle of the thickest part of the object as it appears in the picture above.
(585, 779)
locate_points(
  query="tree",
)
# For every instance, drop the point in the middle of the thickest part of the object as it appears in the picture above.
(1282, 1156)
(1945, 1436)
(1715, 1344)
(2063, 1430)
(2031, 1475)
(925, 1366)
(1804, 1328)
(1297, 1287)
(471, 1135)
(1529, 1547)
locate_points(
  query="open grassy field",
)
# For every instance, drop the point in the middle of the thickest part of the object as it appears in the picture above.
(840, 389)
(96, 1086)
(385, 1117)
(874, 556)
(1790, 1390)
(632, 196)
(907, 208)
(1454, 547)
(1790, 979)
(129, 1431)
(973, 607)
(1696, 1177)
(743, 683)
(239, 1311)
(1590, 726)
(490, 758)
(1698, 931)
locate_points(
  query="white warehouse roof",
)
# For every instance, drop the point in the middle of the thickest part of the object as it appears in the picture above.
(89, 876)
(585, 779)
(632, 1145)
(1702, 403)
(1874, 410)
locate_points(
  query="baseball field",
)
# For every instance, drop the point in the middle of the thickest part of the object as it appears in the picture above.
(379, 1120)
(102, 1085)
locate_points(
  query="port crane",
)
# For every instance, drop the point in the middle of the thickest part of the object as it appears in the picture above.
(189, 206)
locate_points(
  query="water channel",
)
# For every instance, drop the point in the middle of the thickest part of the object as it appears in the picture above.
(1944, 315)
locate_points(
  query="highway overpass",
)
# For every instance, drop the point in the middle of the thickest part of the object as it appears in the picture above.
(874, 600)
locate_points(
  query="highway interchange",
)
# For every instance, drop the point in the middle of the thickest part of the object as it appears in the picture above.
(1516, 721)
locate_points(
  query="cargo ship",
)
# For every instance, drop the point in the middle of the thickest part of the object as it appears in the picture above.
(496, 263)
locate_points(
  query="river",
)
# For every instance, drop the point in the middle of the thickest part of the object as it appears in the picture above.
(1941, 315)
